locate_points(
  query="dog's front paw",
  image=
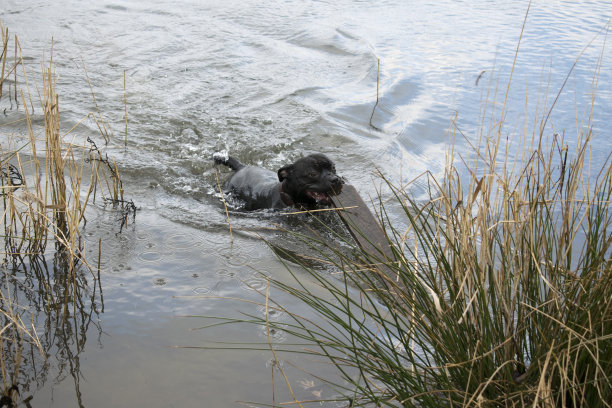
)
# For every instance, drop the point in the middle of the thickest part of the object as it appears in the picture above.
(221, 157)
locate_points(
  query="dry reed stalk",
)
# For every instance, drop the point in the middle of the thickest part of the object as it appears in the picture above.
(276, 361)
(5, 39)
(54, 161)
(105, 129)
(97, 158)
(125, 108)
(318, 210)
(25, 77)
(117, 186)
(377, 86)
(15, 71)
(229, 224)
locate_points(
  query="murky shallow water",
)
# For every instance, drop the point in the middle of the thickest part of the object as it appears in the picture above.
(269, 82)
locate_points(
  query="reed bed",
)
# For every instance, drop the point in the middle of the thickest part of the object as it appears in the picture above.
(48, 180)
(45, 195)
(499, 291)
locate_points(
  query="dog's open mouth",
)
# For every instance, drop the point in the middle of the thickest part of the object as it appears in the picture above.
(319, 197)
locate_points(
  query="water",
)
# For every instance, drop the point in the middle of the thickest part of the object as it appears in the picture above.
(269, 82)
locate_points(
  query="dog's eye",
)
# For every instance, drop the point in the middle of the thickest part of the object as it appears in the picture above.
(313, 174)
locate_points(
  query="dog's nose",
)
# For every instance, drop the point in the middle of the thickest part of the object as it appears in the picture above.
(336, 181)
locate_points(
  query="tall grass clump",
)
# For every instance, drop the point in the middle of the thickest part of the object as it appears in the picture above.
(499, 291)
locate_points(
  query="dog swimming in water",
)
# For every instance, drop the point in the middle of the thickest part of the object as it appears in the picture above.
(307, 183)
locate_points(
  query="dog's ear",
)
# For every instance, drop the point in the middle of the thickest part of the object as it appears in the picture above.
(284, 172)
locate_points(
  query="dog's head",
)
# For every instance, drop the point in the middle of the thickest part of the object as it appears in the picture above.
(310, 181)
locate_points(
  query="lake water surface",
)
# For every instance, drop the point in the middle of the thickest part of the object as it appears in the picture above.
(268, 81)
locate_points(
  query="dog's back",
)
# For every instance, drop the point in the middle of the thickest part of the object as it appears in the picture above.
(257, 187)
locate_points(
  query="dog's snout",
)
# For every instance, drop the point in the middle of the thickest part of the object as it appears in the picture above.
(336, 183)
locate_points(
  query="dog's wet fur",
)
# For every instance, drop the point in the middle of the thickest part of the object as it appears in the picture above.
(308, 183)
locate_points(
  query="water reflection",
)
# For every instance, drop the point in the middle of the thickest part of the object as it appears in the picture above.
(48, 305)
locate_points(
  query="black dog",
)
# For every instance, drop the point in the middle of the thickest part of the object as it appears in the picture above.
(307, 183)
